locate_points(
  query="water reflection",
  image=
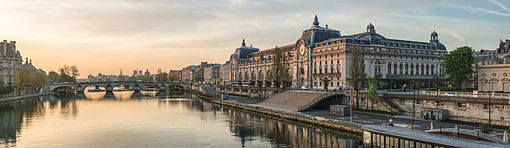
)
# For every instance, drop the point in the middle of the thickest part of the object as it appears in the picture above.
(19, 119)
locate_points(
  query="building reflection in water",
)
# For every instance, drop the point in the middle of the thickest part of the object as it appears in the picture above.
(247, 127)
(16, 114)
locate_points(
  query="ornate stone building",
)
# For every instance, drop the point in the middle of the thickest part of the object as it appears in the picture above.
(492, 68)
(211, 73)
(319, 59)
(10, 61)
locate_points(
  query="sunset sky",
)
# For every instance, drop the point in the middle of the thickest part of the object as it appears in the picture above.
(107, 35)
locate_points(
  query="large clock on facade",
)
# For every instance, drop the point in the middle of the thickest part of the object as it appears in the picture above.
(302, 49)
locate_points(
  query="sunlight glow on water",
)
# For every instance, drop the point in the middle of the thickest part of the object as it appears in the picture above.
(140, 120)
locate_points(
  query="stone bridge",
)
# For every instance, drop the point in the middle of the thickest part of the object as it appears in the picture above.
(137, 86)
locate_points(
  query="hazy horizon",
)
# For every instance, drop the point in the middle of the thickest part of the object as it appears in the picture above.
(105, 36)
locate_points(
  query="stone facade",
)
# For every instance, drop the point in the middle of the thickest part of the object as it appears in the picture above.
(225, 73)
(494, 78)
(188, 74)
(319, 60)
(492, 68)
(10, 61)
(211, 73)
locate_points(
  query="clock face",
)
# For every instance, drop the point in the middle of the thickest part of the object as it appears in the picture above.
(302, 49)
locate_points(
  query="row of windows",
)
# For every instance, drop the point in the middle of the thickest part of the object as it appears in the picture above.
(494, 75)
(330, 84)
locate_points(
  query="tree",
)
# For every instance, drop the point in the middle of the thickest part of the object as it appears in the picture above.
(174, 76)
(53, 76)
(71, 71)
(66, 78)
(280, 70)
(458, 65)
(356, 70)
(22, 75)
(29, 80)
(372, 91)
(162, 77)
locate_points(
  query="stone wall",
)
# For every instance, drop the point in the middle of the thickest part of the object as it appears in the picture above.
(460, 108)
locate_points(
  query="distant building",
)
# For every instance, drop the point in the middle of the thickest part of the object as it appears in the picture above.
(225, 73)
(320, 59)
(28, 64)
(10, 61)
(492, 68)
(211, 73)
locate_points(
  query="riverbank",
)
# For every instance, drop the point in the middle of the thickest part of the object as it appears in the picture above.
(322, 117)
(354, 128)
(14, 98)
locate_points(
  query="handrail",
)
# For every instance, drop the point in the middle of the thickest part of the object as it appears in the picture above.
(314, 101)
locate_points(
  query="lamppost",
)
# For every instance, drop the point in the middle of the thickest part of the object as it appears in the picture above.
(414, 104)
(492, 88)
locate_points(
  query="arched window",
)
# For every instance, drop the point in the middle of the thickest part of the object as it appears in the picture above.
(401, 68)
(395, 68)
(493, 74)
(483, 75)
(407, 69)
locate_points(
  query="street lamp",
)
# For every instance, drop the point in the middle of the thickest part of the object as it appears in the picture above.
(492, 88)
(414, 105)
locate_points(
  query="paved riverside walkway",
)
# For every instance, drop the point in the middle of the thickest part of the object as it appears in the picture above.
(13, 98)
(376, 119)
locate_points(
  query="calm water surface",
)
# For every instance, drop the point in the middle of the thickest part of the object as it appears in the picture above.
(125, 119)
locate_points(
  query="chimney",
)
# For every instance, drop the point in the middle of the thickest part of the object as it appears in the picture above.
(5, 48)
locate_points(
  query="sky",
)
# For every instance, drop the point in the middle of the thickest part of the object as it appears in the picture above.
(105, 36)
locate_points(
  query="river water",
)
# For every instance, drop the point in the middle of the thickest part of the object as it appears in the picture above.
(127, 119)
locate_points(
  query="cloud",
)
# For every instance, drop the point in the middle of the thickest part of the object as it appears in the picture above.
(500, 5)
(174, 33)
(482, 10)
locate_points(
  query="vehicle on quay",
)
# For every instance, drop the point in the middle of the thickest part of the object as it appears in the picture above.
(451, 94)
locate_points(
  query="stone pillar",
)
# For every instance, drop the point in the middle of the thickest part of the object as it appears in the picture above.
(109, 88)
(409, 72)
(414, 71)
(419, 68)
(398, 67)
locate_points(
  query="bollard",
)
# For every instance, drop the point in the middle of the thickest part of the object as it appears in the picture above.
(505, 137)
(431, 125)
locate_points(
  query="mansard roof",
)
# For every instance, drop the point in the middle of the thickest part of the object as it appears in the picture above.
(243, 51)
(377, 39)
(271, 50)
(504, 47)
(318, 33)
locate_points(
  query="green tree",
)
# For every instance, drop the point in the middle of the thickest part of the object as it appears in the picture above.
(372, 91)
(53, 76)
(174, 76)
(29, 80)
(458, 65)
(356, 70)
(162, 77)
(66, 78)
(21, 77)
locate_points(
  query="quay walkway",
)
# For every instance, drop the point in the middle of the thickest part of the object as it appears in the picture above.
(13, 98)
